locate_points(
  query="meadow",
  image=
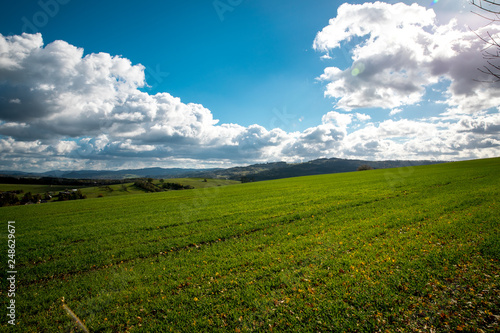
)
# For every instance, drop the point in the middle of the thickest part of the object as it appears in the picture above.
(110, 190)
(129, 188)
(398, 250)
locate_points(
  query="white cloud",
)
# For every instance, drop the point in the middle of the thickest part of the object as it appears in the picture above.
(60, 109)
(395, 111)
(404, 50)
(337, 118)
(362, 117)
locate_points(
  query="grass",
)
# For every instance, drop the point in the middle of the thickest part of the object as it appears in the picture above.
(112, 190)
(412, 249)
(129, 188)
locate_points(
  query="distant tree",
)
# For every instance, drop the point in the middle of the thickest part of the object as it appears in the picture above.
(176, 186)
(161, 181)
(71, 195)
(364, 167)
(33, 198)
(28, 197)
(150, 180)
(146, 185)
(246, 179)
(205, 180)
(8, 199)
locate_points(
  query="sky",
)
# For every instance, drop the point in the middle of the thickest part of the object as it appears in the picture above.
(220, 83)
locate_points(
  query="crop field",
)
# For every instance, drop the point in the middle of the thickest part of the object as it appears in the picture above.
(399, 250)
(112, 190)
(129, 188)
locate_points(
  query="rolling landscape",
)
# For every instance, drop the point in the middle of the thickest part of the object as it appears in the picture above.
(250, 166)
(256, 172)
(401, 250)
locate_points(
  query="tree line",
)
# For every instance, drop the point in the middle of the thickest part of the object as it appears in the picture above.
(149, 186)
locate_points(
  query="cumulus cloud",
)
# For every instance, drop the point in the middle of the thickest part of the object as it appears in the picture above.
(403, 51)
(62, 109)
(395, 111)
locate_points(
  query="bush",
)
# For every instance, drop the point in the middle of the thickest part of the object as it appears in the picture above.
(176, 186)
(8, 199)
(364, 167)
(71, 195)
(146, 185)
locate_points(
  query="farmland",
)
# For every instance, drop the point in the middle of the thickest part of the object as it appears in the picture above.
(112, 189)
(410, 249)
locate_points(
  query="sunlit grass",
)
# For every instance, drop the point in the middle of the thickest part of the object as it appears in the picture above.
(412, 249)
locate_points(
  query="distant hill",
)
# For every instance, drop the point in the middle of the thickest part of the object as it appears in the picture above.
(279, 170)
(127, 173)
(107, 174)
(255, 172)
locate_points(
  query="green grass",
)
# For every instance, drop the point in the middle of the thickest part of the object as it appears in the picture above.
(112, 190)
(129, 188)
(412, 249)
(199, 182)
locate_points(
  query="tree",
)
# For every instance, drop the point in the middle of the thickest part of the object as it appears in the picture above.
(28, 197)
(146, 185)
(491, 52)
(8, 199)
(364, 167)
(71, 195)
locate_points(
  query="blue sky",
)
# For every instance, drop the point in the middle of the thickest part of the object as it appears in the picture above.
(286, 80)
(258, 58)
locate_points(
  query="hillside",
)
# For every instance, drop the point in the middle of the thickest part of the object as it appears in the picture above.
(107, 174)
(411, 249)
(321, 166)
(254, 172)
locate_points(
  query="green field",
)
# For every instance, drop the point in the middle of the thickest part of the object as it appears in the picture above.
(397, 250)
(112, 190)
(129, 188)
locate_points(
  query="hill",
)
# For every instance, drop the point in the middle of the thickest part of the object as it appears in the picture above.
(411, 249)
(322, 166)
(107, 174)
(255, 172)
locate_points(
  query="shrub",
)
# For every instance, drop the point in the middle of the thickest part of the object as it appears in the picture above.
(176, 186)
(8, 199)
(71, 195)
(146, 185)
(364, 167)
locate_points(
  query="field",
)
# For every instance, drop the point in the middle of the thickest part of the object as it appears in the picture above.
(111, 190)
(397, 250)
(129, 188)
(34, 189)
